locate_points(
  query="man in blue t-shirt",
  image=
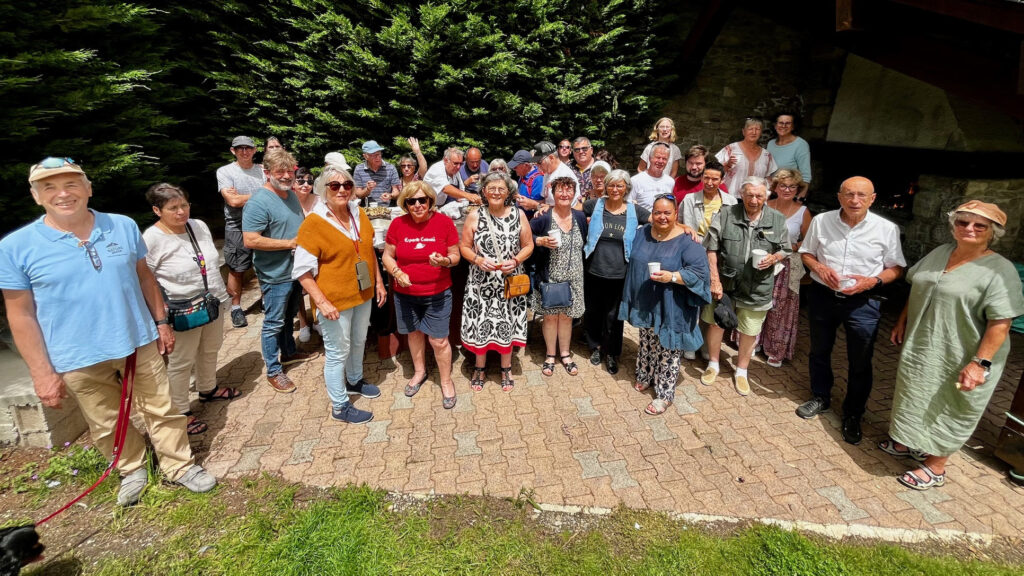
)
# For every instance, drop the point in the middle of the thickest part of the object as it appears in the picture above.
(270, 223)
(531, 182)
(84, 307)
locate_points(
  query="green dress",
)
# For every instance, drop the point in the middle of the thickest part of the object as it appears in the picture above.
(947, 316)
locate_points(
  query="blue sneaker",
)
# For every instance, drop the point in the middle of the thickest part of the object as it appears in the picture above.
(351, 414)
(363, 388)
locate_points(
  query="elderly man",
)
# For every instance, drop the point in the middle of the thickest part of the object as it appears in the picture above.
(236, 182)
(446, 181)
(531, 182)
(654, 181)
(84, 309)
(270, 223)
(374, 178)
(545, 155)
(473, 170)
(583, 161)
(851, 254)
(744, 244)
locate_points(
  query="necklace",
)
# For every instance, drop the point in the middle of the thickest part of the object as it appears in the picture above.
(660, 237)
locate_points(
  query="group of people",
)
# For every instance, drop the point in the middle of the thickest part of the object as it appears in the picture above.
(572, 240)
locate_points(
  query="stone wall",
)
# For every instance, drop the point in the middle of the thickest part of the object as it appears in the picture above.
(938, 195)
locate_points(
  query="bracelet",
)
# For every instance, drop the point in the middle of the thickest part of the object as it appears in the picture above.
(165, 322)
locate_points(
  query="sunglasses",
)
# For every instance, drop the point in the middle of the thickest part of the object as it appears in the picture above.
(404, 166)
(301, 181)
(90, 249)
(53, 162)
(565, 147)
(968, 224)
(417, 200)
(335, 186)
(581, 149)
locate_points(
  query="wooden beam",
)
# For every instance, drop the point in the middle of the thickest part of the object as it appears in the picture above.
(844, 15)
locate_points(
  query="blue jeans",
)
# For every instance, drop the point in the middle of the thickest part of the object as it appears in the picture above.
(280, 305)
(344, 343)
(860, 315)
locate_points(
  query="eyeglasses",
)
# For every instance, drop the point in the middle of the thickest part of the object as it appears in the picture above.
(179, 208)
(53, 162)
(335, 186)
(979, 226)
(788, 187)
(581, 149)
(307, 180)
(564, 147)
(417, 200)
(496, 190)
(404, 166)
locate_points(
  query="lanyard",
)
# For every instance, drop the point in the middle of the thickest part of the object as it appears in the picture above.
(352, 219)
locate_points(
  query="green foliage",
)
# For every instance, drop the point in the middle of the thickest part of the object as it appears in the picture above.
(77, 466)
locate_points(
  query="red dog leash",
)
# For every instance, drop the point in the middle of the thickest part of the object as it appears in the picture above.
(120, 431)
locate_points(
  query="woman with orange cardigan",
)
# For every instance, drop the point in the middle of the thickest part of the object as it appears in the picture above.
(337, 266)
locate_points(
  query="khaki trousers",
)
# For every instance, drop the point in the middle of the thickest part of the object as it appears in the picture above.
(97, 389)
(197, 347)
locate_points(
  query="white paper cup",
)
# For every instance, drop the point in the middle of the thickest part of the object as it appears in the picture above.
(556, 235)
(847, 282)
(653, 268)
(756, 256)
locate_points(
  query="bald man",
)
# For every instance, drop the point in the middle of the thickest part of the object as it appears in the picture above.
(851, 253)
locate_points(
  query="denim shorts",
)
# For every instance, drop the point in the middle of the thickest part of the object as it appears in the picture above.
(427, 314)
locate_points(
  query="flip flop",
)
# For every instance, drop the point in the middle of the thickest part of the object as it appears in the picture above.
(219, 393)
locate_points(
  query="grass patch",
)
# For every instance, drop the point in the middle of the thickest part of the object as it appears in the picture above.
(266, 527)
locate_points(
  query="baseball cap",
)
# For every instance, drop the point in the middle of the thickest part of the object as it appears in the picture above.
(53, 166)
(242, 141)
(371, 146)
(985, 210)
(542, 150)
(337, 159)
(520, 157)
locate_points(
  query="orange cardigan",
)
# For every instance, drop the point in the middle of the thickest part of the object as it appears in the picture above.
(336, 254)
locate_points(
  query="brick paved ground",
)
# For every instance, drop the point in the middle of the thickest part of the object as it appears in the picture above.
(586, 441)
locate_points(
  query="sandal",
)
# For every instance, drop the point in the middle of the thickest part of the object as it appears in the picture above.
(195, 425)
(640, 386)
(412, 389)
(889, 447)
(548, 368)
(477, 381)
(507, 383)
(910, 480)
(219, 393)
(570, 366)
(657, 406)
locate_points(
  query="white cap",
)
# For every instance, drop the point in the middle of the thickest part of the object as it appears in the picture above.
(337, 159)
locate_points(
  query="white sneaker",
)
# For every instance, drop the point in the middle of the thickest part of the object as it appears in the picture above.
(304, 334)
(690, 354)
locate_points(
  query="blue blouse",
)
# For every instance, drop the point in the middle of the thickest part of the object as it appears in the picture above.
(672, 310)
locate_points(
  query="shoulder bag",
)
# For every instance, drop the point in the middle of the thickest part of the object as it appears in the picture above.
(198, 310)
(516, 284)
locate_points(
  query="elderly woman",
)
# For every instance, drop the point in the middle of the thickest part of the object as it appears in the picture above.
(666, 285)
(778, 335)
(337, 266)
(613, 227)
(789, 150)
(496, 240)
(953, 330)
(186, 263)
(746, 158)
(559, 235)
(420, 247)
(664, 131)
(744, 245)
(498, 165)
(411, 167)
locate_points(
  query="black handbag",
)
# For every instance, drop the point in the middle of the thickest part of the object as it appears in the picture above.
(555, 295)
(196, 311)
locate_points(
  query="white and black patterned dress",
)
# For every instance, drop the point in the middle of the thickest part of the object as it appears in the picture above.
(489, 321)
(565, 265)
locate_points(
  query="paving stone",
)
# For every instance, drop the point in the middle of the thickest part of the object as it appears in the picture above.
(847, 509)
(302, 451)
(591, 467)
(250, 460)
(534, 378)
(467, 443)
(924, 502)
(660, 430)
(464, 403)
(682, 406)
(378, 432)
(584, 409)
(402, 402)
(620, 477)
(263, 431)
(690, 393)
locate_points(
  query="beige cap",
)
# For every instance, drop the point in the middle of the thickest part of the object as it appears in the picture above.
(990, 211)
(52, 167)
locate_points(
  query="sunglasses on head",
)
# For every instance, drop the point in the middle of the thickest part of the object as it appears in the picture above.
(417, 200)
(53, 162)
(335, 186)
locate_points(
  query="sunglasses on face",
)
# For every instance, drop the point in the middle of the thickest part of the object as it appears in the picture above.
(417, 200)
(335, 186)
(404, 166)
(979, 226)
(581, 149)
(564, 147)
(302, 181)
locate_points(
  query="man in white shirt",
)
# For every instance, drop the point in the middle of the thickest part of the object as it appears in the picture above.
(545, 155)
(236, 182)
(444, 178)
(851, 253)
(653, 182)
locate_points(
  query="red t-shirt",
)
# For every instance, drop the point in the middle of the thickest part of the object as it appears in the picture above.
(684, 186)
(414, 243)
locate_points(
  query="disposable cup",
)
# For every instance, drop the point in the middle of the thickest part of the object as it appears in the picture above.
(847, 282)
(556, 235)
(653, 268)
(756, 256)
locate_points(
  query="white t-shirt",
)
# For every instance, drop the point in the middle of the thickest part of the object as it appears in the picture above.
(172, 260)
(647, 187)
(437, 178)
(866, 249)
(561, 171)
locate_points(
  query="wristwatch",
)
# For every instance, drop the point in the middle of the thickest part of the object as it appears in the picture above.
(878, 282)
(674, 276)
(986, 364)
(163, 322)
